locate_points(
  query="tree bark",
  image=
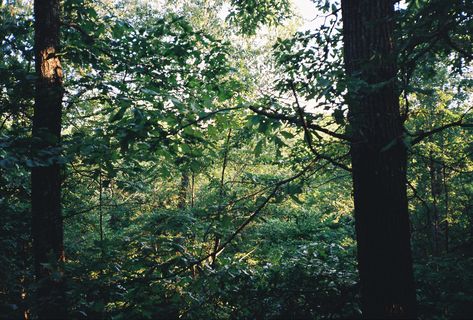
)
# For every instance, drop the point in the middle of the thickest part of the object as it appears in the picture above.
(47, 225)
(379, 161)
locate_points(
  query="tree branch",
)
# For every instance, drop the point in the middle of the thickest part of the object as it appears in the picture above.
(258, 210)
(296, 121)
(458, 48)
(308, 135)
(222, 246)
(425, 134)
(202, 118)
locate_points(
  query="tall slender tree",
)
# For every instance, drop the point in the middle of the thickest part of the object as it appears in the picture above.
(379, 161)
(47, 226)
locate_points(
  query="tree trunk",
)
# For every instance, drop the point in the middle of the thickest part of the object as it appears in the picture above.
(379, 161)
(435, 191)
(47, 227)
(447, 201)
(183, 190)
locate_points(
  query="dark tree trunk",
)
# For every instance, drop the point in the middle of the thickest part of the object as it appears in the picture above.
(379, 161)
(47, 227)
(435, 191)
(183, 190)
(447, 201)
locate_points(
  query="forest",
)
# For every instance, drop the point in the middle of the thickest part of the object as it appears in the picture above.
(236, 159)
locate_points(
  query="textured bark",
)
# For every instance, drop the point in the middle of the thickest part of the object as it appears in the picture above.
(47, 227)
(379, 161)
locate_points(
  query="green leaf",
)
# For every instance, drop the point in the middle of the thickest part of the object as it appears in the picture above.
(117, 116)
(287, 134)
(259, 148)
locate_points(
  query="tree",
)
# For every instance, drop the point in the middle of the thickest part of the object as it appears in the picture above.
(379, 161)
(47, 225)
